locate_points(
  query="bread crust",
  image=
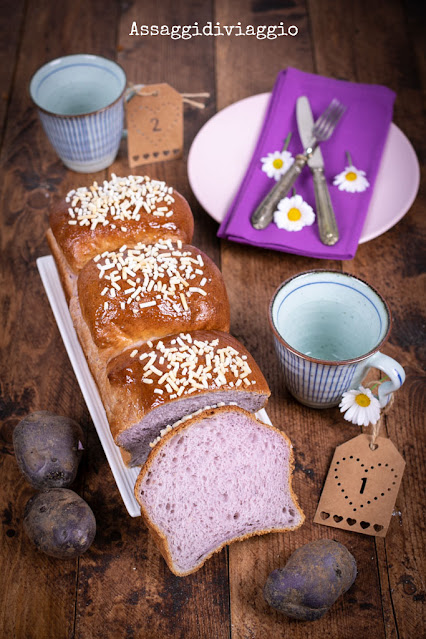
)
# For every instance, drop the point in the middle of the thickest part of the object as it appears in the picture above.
(94, 360)
(159, 537)
(78, 244)
(66, 275)
(114, 328)
(126, 371)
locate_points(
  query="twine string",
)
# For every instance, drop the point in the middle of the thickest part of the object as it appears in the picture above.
(375, 430)
(198, 105)
(138, 89)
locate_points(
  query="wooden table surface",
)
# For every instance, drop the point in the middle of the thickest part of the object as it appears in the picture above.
(121, 587)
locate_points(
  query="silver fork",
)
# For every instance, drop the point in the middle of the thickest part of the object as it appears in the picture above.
(321, 131)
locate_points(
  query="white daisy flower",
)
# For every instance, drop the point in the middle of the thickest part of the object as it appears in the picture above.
(352, 180)
(360, 406)
(277, 163)
(293, 214)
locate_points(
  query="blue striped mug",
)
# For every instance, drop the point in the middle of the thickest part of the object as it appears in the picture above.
(328, 328)
(80, 104)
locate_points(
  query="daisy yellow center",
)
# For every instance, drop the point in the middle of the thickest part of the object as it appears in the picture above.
(363, 400)
(294, 215)
(277, 163)
(350, 176)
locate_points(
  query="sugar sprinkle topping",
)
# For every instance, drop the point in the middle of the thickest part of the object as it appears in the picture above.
(149, 274)
(188, 365)
(118, 200)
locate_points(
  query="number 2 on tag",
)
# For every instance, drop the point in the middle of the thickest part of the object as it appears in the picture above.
(154, 125)
(155, 122)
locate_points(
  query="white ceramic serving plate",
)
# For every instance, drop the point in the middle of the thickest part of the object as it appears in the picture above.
(125, 477)
(222, 149)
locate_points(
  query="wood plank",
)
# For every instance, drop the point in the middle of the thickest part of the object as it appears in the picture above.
(246, 65)
(382, 52)
(10, 33)
(314, 433)
(38, 593)
(415, 17)
(144, 598)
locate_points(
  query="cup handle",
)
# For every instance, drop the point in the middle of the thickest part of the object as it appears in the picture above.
(130, 93)
(393, 370)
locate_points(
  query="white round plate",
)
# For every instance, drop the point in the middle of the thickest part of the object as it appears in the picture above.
(222, 149)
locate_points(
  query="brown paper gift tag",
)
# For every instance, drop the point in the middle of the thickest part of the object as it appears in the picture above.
(154, 125)
(361, 487)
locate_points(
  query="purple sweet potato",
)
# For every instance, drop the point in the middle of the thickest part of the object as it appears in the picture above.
(313, 578)
(48, 449)
(60, 523)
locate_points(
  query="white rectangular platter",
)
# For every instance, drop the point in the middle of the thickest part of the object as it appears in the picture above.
(125, 477)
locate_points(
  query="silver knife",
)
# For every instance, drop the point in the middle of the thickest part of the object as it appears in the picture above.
(327, 224)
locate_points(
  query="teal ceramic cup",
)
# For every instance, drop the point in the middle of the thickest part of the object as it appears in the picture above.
(80, 105)
(328, 329)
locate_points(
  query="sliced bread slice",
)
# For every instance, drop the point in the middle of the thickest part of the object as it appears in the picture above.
(219, 477)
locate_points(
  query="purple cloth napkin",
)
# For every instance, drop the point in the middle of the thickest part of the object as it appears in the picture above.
(362, 131)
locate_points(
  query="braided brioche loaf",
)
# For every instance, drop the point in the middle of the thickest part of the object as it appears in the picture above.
(152, 315)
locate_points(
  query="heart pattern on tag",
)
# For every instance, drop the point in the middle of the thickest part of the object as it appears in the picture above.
(362, 484)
